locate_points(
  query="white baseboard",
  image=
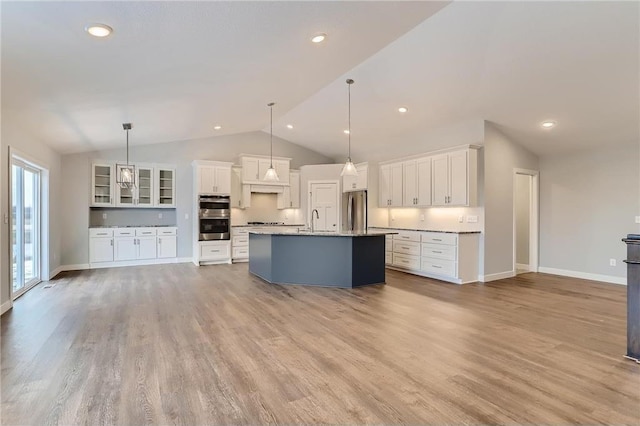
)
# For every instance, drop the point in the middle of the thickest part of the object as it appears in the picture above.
(6, 306)
(584, 275)
(522, 266)
(495, 277)
(83, 266)
(53, 273)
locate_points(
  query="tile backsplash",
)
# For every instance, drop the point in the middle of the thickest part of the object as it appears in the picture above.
(264, 208)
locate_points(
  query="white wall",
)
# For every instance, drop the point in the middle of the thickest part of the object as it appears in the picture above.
(501, 156)
(588, 201)
(523, 202)
(46, 157)
(76, 173)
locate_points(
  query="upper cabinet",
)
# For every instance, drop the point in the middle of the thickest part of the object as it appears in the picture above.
(290, 197)
(444, 179)
(102, 185)
(254, 168)
(240, 194)
(212, 177)
(357, 183)
(155, 186)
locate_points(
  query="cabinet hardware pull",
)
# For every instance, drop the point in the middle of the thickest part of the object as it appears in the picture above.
(436, 266)
(436, 239)
(159, 240)
(112, 242)
(435, 251)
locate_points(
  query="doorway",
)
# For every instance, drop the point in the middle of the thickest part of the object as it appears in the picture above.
(323, 199)
(26, 222)
(525, 221)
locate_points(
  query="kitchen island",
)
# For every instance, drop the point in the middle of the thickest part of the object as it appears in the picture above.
(327, 259)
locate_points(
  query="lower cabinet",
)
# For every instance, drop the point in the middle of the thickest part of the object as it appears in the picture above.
(215, 251)
(240, 239)
(451, 257)
(128, 246)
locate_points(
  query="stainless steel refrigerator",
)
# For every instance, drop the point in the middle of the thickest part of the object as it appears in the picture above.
(354, 211)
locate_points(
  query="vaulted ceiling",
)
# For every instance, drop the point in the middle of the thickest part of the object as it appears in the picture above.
(177, 69)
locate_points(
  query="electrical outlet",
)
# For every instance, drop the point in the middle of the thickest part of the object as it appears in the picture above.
(472, 219)
(612, 262)
(422, 218)
(159, 215)
(460, 219)
(104, 215)
(186, 216)
(637, 219)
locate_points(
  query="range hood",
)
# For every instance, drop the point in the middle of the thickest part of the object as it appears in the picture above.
(266, 189)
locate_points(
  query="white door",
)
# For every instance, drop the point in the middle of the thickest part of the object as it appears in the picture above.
(100, 250)
(206, 179)
(396, 185)
(384, 185)
(146, 247)
(409, 183)
(440, 180)
(458, 178)
(222, 180)
(167, 247)
(124, 248)
(324, 199)
(423, 180)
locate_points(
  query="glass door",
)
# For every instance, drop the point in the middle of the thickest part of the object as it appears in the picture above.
(25, 226)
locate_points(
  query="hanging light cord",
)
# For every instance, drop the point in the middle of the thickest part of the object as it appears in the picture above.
(270, 105)
(349, 83)
(127, 147)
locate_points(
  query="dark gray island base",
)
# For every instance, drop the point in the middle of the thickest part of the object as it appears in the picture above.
(329, 260)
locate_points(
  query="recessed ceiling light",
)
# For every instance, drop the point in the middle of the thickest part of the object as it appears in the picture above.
(403, 109)
(346, 132)
(319, 38)
(548, 124)
(98, 30)
(217, 127)
(289, 126)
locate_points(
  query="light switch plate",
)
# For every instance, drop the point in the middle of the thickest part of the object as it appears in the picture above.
(104, 215)
(637, 219)
(472, 219)
(186, 216)
(422, 217)
(612, 262)
(159, 215)
(460, 219)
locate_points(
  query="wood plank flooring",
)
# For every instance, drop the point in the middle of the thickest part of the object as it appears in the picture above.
(176, 344)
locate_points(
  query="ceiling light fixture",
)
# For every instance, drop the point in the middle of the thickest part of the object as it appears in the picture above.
(217, 127)
(349, 169)
(271, 175)
(548, 124)
(289, 126)
(319, 38)
(403, 109)
(98, 30)
(126, 173)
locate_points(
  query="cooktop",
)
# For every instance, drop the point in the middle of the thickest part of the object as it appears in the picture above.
(265, 223)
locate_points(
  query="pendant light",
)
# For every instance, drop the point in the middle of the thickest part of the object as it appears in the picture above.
(271, 175)
(349, 169)
(126, 173)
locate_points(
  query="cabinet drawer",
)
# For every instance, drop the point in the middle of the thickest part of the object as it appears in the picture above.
(407, 236)
(440, 238)
(145, 232)
(100, 232)
(240, 231)
(167, 231)
(242, 240)
(214, 251)
(388, 258)
(406, 247)
(240, 252)
(124, 232)
(439, 251)
(439, 266)
(406, 261)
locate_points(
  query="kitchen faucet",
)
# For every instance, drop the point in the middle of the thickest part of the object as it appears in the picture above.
(317, 217)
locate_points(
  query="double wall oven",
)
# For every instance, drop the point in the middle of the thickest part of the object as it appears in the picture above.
(214, 217)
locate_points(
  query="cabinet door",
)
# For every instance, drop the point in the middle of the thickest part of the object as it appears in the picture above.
(100, 250)
(145, 190)
(362, 180)
(423, 182)
(165, 183)
(146, 247)
(222, 180)
(284, 198)
(384, 184)
(124, 248)
(409, 183)
(250, 169)
(167, 247)
(125, 197)
(102, 183)
(206, 179)
(439, 180)
(396, 185)
(263, 165)
(236, 187)
(349, 183)
(458, 178)
(282, 168)
(294, 182)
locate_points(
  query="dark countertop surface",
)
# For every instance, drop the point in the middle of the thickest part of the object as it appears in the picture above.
(426, 230)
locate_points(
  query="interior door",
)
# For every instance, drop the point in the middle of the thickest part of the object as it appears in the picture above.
(25, 226)
(324, 199)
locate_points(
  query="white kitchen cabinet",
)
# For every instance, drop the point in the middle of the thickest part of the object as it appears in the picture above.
(125, 197)
(240, 194)
(100, 245)
(215, 251)
(254, 167)
(416, 182)
(165, 186)
(146, 248)
(359, 182)
(454, 178)
(167, 246)
(213, 177)
(102, 185)
(290, 196)
(145, 188)
(124, 248)
(390, 186)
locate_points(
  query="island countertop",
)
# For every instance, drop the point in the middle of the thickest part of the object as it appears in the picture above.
(325, 234)
(426, 230)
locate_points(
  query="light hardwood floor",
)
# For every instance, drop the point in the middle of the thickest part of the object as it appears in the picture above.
(176, 344)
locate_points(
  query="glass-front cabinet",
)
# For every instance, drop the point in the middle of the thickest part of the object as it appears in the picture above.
(125, 197)
(145, 188)
(165, 186)
(102, 184)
